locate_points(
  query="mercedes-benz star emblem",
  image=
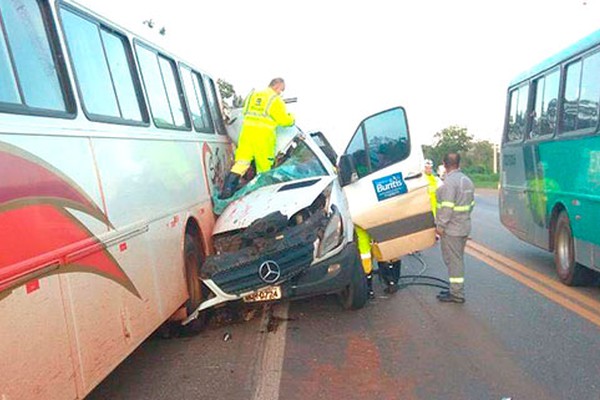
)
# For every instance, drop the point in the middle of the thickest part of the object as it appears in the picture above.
(269, 271)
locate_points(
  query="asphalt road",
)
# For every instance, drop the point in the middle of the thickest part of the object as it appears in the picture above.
(520, 335)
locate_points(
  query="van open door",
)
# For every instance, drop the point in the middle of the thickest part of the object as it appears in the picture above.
(381, 173)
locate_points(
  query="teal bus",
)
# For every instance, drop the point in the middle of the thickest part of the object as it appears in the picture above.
(550, 169)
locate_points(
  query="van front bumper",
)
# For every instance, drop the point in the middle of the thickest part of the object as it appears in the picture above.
(329, 276)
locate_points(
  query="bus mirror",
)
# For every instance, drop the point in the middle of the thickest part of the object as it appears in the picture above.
(347, 170)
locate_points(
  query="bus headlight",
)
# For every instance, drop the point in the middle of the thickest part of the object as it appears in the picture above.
(333, 234)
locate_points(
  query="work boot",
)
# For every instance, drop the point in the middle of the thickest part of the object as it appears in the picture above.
(450, 298)
(443, 293)
(392, 287)
(370, 291)
(229, 185)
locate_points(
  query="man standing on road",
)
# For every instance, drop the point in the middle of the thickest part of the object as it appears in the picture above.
(264, 111)
(432, 185)
(455, 201)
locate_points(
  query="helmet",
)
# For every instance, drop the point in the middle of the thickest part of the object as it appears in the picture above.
(428, 163)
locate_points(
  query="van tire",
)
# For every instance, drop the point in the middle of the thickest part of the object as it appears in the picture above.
(355, 295)
(568, 270)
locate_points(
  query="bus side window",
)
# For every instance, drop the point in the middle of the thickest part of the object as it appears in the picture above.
(582, 94)
(571, 97)
(517, 119)
(160, 82)
(546, 105)
(103, 70)
(587, 116)
(30, 76)
(213, 104)
(197, 100)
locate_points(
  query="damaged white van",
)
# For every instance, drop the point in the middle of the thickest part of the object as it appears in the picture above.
(289, 232)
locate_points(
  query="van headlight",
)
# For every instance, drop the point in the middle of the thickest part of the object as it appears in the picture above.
(333, 234)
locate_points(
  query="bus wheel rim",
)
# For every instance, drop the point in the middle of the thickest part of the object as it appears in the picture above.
(564, 250)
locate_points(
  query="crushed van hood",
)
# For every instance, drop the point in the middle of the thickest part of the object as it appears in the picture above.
(287, 197)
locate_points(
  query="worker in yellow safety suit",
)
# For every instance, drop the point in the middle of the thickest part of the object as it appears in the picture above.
(263, 112)
(432, 185)
(389, 272)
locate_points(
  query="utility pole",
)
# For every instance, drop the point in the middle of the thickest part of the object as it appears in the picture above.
(496, 151)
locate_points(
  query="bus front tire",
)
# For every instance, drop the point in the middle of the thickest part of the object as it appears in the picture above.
(569, 271)
(197, 292)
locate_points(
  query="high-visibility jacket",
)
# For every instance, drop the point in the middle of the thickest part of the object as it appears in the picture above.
(432, 185)
(455, 201)
(264, 111)
(364, 248)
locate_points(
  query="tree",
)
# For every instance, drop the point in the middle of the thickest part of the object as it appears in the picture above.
(226, 89)
(454, 139)
(480, 157)
(227, 92)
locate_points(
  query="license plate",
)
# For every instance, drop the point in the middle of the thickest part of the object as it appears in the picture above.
(265, 294)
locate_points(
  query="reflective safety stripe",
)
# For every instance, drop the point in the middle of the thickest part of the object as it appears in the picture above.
(247, 105)
(268, 107)
(457, 280)
(468, 207)
(365, 256)
(446, 204)
(456, 208)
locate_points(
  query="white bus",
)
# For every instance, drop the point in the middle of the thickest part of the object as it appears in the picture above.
(110, 149)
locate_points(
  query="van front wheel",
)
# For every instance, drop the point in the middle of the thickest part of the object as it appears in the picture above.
(355, 295)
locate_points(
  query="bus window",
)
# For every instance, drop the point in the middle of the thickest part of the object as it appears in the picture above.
(569, 118)
(160, 83)
(175, 100)
(518, 114)
(9, 92)
(196, 100)
(28, 74)
(213, 104)
(201, 90)
(102, 69)
(546, 101)
(582, 92)
(120, 68)
(587, 114)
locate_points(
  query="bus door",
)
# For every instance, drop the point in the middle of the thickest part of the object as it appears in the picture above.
(381, 172)
(520, 185)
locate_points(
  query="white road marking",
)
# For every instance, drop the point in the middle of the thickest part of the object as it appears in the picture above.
(271, 362)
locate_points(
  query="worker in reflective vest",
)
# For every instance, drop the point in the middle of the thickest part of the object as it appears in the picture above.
(263, 112)
(432, 185)
(455, 201)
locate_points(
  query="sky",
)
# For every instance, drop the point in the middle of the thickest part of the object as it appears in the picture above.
(447, 62)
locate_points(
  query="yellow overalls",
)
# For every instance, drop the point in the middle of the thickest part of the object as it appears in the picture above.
(264, 111)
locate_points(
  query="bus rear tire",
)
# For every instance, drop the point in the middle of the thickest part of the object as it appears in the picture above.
(568, 270)
(197, 292)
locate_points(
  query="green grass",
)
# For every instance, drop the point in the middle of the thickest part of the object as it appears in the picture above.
(489, 181)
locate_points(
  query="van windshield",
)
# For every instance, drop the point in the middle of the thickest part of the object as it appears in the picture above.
(298, 162)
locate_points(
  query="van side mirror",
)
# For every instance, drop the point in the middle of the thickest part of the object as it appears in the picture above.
(347, 170)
